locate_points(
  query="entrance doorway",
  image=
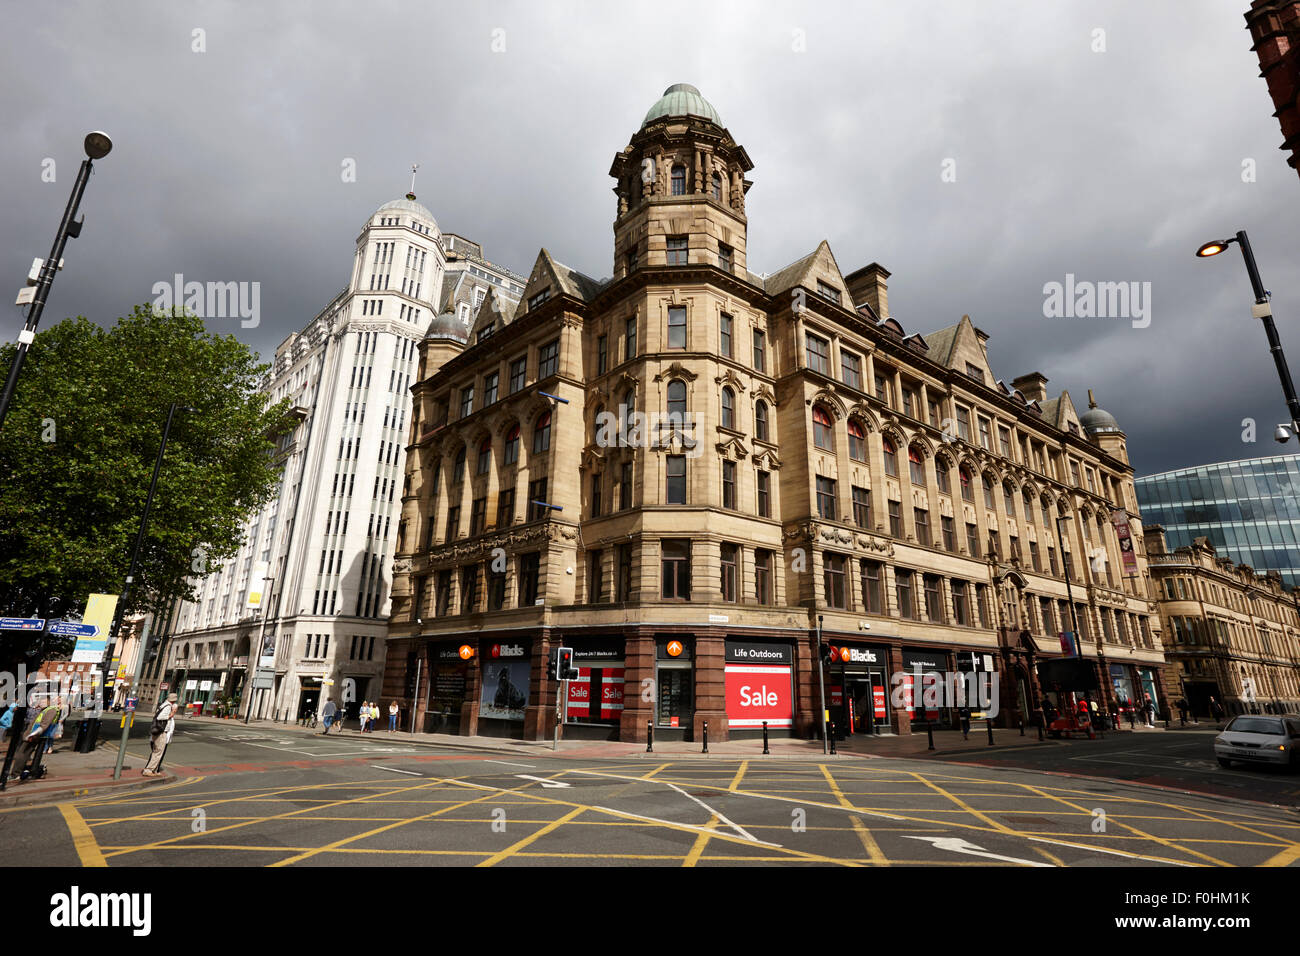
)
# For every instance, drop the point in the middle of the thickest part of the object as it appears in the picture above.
(308, 701)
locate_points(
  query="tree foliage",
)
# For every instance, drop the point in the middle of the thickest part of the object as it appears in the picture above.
(78, 450)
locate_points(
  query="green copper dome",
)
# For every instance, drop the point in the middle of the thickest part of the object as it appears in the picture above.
(682, 99)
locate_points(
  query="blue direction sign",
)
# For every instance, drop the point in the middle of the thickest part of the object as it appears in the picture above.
(21, 623)
(64, 629)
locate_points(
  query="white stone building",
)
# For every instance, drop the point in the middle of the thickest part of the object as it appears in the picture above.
(329, 536)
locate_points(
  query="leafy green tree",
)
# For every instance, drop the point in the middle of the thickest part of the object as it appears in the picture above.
(78, 449)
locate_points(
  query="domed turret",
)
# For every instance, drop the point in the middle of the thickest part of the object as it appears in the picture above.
(447, 326)
(682, 99)
(1098, 421)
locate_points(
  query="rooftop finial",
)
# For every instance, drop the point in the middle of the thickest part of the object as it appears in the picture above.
(411, 194)
(1092, 402)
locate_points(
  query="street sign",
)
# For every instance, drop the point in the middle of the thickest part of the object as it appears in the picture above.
(21, 623)
(65, 629)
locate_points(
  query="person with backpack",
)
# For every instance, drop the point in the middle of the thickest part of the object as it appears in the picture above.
(327, 715)
(35, 737)
(160, 734)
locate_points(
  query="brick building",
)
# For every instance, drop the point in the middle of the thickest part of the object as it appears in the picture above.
(682, 470)
(1275, 28)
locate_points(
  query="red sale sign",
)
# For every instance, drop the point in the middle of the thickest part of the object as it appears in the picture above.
(757, 693)
(878, 698)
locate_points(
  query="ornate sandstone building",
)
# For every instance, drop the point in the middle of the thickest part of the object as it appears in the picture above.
(680, 471)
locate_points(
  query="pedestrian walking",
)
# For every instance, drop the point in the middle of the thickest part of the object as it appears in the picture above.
(57, 732)
(364, 716)
(327, 715)
(963, 715)
(1149, 711)
(1181, 704)
(393, 710)
(1216, 710)
(35, 737)
(160, 735)
(7, 720)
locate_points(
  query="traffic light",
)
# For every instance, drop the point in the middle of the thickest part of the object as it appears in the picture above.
(826, 655)
(564, 669)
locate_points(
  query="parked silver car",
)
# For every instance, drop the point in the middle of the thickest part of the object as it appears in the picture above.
(1260, 739)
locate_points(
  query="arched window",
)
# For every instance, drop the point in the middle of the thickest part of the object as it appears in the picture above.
(679, 180)
(967, 490)
(822, 426)
(512, 445)
(1008, 498)
(916, 466)
(891, 457)
(988, 492)
(717, 185)
(728, 408)
(458, 470)
(857, 440)
(542, 434)
(760, 420)
(484, 456)
(677, 402)
(941, 477)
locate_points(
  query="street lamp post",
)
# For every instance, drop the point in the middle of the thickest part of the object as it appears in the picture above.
(250, 671)
(139, 537)
(97, 146)
(1263, 310)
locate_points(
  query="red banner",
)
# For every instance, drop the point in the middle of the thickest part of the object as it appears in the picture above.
(610, 704)
(756, 693)
(878, 697)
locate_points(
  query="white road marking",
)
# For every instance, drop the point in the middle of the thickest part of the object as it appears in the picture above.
(958, 845)
(542, 780)
(511, 763)
(674, 823)
(717, 813)
(395, 770)
(1097, 849)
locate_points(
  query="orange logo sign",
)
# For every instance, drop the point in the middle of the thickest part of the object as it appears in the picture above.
(674, 648)
(466, 652)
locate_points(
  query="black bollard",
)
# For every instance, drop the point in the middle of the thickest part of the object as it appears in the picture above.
(832, 735)
(1166, 718)
(1022, 726)
(649, 736)
(706, 738)
(1041, 718)
(765, 750)
(990, 725)
(929, 732)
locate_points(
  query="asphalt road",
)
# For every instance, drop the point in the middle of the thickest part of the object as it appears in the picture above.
(268, 797)
(1182, 759)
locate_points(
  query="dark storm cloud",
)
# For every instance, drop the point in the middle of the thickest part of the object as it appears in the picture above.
(1111, 166)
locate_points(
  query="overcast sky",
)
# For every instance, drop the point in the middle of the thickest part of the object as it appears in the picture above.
(1109, 164)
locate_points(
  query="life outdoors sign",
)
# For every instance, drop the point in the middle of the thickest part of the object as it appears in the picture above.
(758, 684)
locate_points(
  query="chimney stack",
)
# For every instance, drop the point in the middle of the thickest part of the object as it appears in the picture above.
(1033, 386)
(867, 285)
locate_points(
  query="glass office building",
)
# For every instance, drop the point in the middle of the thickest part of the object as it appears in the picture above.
(1248, 509)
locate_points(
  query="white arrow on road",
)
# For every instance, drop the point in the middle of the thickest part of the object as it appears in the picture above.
(542, 780)
(958, 845)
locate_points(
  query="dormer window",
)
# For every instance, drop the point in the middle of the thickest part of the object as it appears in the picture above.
(828, 292)
(539, 298)
(975, 372)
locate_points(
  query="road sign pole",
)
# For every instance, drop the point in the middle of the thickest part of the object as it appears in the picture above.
(135, 684)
